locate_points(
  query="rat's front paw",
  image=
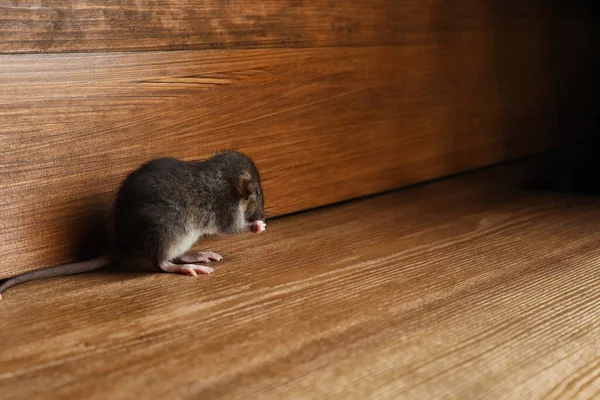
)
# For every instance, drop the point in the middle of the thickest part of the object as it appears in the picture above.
(203, 257)
(258, 226)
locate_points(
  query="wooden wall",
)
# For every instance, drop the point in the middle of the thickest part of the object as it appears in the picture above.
(333, 99)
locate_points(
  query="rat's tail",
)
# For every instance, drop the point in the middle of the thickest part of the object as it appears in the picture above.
(52, 272)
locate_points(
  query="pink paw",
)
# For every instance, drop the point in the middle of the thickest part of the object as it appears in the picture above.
(258, 226)
(194, 270)
(185, 269)
(203, 257)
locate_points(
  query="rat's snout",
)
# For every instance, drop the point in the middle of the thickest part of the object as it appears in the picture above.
(258, 226)
(257, 215)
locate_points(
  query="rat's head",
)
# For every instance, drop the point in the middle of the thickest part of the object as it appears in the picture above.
(246, 205)
(251, 203)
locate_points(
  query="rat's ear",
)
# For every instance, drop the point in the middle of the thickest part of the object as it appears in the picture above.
(244, 186)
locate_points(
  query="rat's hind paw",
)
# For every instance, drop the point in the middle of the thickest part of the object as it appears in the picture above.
(186, 269)
(194, 270)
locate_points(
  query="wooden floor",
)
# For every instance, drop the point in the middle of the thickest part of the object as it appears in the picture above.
(466, 288)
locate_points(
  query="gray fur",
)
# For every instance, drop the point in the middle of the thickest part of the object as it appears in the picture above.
(164, 206)
(166, 200)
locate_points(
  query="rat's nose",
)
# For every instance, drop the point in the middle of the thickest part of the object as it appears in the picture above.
(258, 226)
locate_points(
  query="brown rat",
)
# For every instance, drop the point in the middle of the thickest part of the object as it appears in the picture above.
(166, 205)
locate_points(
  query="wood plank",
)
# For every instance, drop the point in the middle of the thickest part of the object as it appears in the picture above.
(323, 125)
(462, 289)
(67, 26)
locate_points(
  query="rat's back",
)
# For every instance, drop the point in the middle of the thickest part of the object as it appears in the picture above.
(152, 203)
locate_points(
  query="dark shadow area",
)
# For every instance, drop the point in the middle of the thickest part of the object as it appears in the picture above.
(551, 94)
(95, 234)
(575, 58)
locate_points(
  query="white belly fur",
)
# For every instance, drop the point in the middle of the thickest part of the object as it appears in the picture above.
(184, 244)
(191, 237)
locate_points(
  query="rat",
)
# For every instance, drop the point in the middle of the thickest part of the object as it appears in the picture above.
(166, 205)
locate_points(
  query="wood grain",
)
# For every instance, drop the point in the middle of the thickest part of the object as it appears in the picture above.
(466, 288)
(66, 26)
(323, 125)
